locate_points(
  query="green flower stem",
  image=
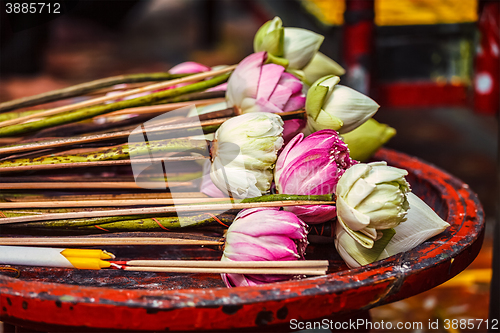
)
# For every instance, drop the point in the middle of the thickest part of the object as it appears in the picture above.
(84, 88)
(14, 115)
(148, 224)
(116, 153)
(92, 111)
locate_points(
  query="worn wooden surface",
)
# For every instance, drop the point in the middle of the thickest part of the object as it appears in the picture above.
(63, 299)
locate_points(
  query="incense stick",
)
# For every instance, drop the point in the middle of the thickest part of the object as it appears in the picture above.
(103, 99)
(277, 271)
(87, 185)
(160, 210)
(161, 108)
(122, 196)
(104, 203)
(229, 264)
(98, 241)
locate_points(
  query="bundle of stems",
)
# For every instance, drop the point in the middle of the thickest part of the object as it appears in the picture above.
(84, 88)
(69, 114)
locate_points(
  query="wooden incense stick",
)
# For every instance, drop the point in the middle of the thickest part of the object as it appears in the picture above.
(86, 197)
(160, 210)
(103, 99)
(98, 241)
(105, 203)
(161, 108)
(87, 185)
(284, 271)
(322, 264)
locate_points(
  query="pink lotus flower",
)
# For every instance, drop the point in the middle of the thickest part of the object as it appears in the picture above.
(312, 166)
(261, 234)
(255, 86)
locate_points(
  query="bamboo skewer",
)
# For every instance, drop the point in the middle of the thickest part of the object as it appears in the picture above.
(284, 271)
(162, 108)
(105, 203)
(86, 185)
(160, 210)
(103, 99)
(228, 264)
(83, 197)
(98, 241)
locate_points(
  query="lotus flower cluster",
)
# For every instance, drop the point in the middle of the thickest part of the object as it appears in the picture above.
(244, 152)
(312, 166)
(262, 235)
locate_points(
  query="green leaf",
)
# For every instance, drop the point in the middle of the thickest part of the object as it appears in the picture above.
(315, 99)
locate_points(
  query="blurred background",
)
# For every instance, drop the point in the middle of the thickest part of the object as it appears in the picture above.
(432, 65)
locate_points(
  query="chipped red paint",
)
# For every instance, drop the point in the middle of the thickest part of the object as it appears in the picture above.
(38, 302)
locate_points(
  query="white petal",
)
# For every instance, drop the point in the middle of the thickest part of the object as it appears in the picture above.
(350, 216)
(422, 223)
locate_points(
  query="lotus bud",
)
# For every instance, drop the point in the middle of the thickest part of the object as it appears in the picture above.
(312, 166)
(255, 86)
(244, 152)
(321, 66)
(189, 67)
(365, 140)
(333, 106)
(371, 197)
(421, 224)
(261, 234)
(297, 46)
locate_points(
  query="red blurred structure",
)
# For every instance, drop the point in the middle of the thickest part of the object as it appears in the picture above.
(487, 65)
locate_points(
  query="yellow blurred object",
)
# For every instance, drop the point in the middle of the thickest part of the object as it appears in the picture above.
(468, 278)
(415, 12)
(88, 263)
(328, 12)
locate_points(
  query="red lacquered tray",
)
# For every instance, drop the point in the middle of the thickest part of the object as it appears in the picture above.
(63, 299)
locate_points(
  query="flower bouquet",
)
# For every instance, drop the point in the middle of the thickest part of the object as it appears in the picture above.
(254, 158)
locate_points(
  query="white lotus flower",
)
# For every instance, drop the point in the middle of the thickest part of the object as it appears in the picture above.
(371, 197)
(337, 107)
(421, 224)
(244, 152)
